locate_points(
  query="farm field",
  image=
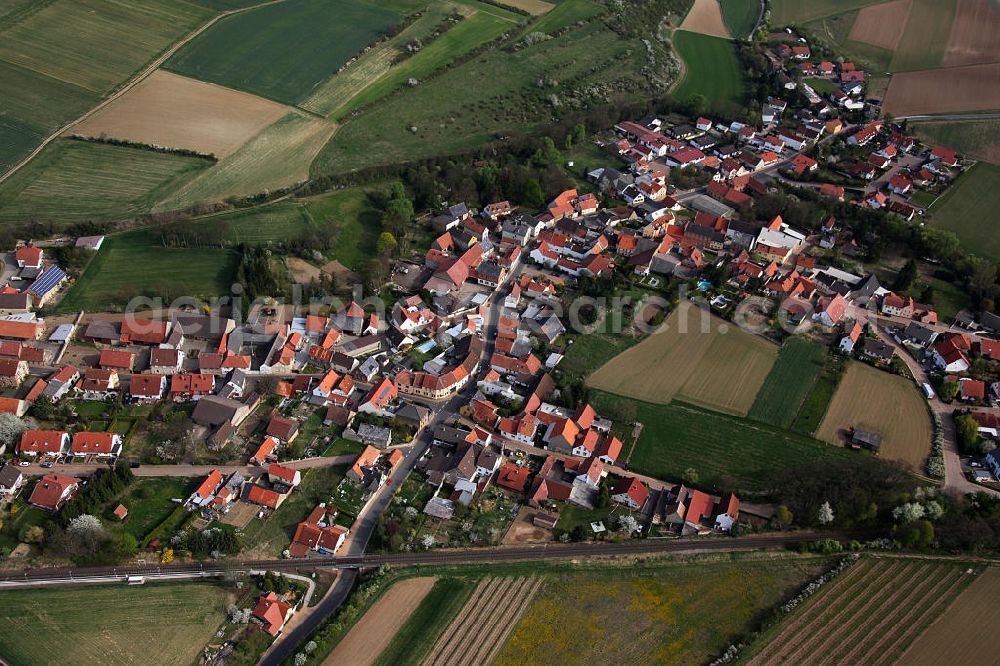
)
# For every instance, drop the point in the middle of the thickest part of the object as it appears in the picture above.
(446, 123)
(976, 138)
(792, 377)
(375, 630)
(728, 452)
(956, 636)
(731, 373)
(177, 112)
(334, 93)
(680, 360)
(72, 181)
(967, 208)
(789, 12)
(277, 157)
(678, 613)
(882, 25)
(740, 16)
(711, 69)
(887, 404)
(974, 34)
(472, 31)
(954, 89)
(567, 12)
(533, 7)
(97, 44)
(838, 29)
(414, 639)
(481, 627)
(705, 18)
(868, 614)
(136, 263)
(34, 105)
(283, 51)
(926, 36)
(60, 625)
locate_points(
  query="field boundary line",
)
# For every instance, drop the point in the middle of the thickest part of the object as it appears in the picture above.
(488, 617)
(924, 626)
(497, 620)
(887, 597)
(131, 83)
(808, 646)
(933, 595)
(512, 622)
(817, 610)
(477, 597)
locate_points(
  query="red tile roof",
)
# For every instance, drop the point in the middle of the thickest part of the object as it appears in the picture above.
(93, 442)
(41, 441)
(49, 490)
(114, 358)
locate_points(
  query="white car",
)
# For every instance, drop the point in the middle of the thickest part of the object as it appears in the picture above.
(25, 464)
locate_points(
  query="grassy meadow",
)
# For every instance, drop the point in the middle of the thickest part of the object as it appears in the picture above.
(711, 69)
(740, 16)
(111, 624)
(135, 263)
(283, 51)
(968, 208)
(727, 452)
(72, 181)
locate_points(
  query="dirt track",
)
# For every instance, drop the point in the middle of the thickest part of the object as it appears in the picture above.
(372, 634)
(706, 17)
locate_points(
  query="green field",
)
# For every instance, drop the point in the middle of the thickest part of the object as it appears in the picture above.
(467, 35)
(728, 452)
(136, 263)
(969, 209)
(678, 613)
(740, 16)
(357, 222)
(566, 13)
(711, 69)
(277, 157)
(817, 401)
(789, 12)
(789, 382)
(412, 642)
(283, 51)
(975, 138)
(72, 181)
(263, 225)
(334, 93)
(97, 44)
(111, 624)
(430, 119)
(32, 106)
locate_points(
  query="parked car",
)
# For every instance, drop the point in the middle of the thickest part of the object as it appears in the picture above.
(47, 465)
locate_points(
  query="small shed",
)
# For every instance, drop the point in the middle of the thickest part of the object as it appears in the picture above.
(864, 439)
(120, 512)
(544, 520)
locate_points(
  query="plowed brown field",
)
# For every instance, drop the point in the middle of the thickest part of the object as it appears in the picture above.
(706, 17)
(950, 90)
(372, 634)
(882, 25)
(174, 111)
(975, 34)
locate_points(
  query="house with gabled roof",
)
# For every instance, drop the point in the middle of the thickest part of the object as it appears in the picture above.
(318, 533)
(44, 442)
(272, 613)
(53, 490)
